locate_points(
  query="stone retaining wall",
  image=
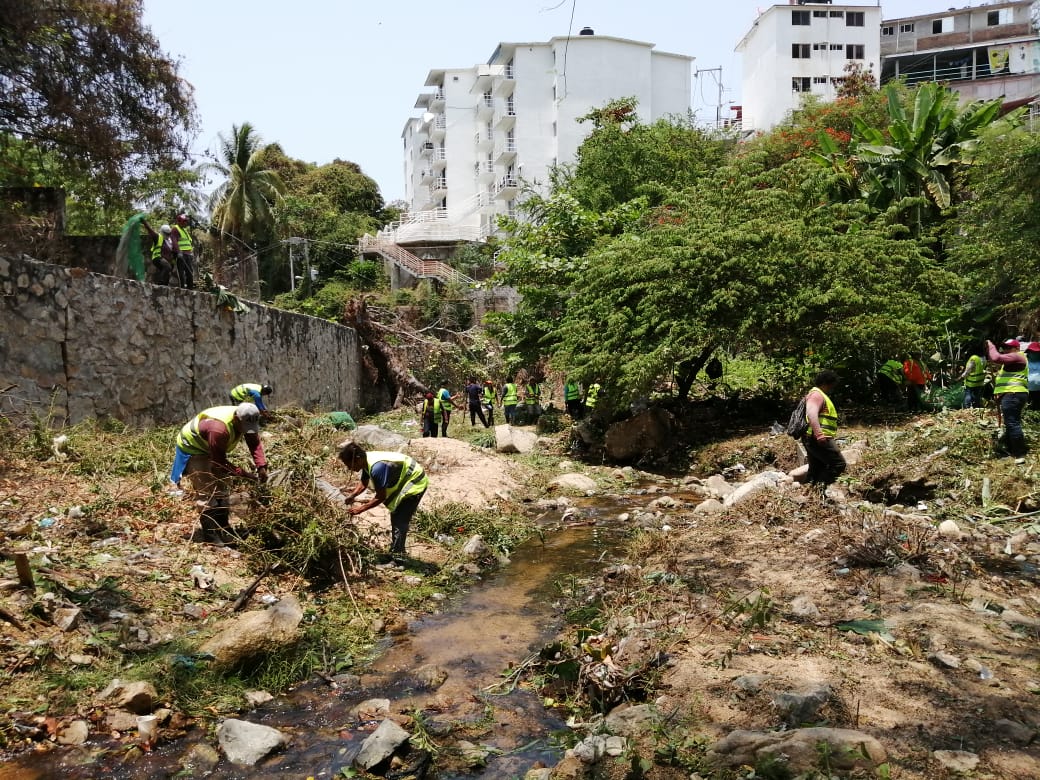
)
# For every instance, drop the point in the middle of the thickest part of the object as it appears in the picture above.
(76, 345)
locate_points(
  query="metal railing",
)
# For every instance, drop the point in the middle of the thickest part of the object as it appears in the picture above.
(418, 267)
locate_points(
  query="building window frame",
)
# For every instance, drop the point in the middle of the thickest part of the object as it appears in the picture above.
(855, 19)
(800, 51)
(801, 18)
(855, 51)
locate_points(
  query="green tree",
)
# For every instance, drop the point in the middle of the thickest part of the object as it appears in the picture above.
(739, 260)
(242, 207)
(623, 159)
(995, 236)
(86, 80)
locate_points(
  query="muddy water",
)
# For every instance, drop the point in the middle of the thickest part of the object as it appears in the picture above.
(496, 624)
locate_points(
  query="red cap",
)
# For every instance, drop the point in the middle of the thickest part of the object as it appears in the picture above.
(1033, 346)
(1014, 343)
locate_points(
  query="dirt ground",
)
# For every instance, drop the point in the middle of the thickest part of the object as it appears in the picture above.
(748, 602)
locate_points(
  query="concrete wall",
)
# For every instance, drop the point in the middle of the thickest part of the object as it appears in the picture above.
(76, 345)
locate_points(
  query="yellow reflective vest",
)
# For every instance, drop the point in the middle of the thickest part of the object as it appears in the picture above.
(412, 482)
(191, 441)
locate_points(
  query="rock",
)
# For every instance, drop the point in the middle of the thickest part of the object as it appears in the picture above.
(473, 755)
(802, 706)
(848, 749)
(381, 744)
(647, 432)
(710, 506)
(475, 547)
(541, 773)
(430, 677)
(803, 606)
(750, 683)
(66, 618)
(959, 762)
(904, 572)
(1014, 618)
(853, 454)
(137, 696)
(767, 481)
(615, 746)
(950, 530)
(800, 474)
(370, 709)
(120, 720)
(256, 632)
(376, 438)
(1013, 731)
(718, 483)
(631, 720)
(590, 749)
(75, 733)
(79, 659)
(514, 440)
(246, 743)
(945, 660)
(199, 759)
(570, 767)
(812, 535)
(578, 483)
(256, 698)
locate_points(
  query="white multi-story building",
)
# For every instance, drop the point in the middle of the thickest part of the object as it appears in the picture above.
(802, 48)
(488, 130)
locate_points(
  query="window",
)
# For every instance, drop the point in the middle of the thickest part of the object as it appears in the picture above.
(837, 14)
(1003, 16)
(820, 79)
(943, 25)
(908, 27)
(800, 18)
(887, 30)
(854, 51)
(800, 51)
(819, 14)
(800, 84)
(820, 47)
(854, 19)
(837, 46)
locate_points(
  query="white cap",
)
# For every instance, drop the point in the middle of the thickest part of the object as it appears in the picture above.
(250, 417)
(166, 229)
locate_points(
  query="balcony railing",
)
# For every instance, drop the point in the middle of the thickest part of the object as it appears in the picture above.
(439, 184)
(506, 183)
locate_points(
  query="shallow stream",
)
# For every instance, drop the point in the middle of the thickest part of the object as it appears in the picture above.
(479, 635)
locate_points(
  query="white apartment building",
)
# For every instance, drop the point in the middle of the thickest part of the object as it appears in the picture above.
(802, 48)
(487, 130)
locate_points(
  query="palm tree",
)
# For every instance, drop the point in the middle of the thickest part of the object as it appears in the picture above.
(242, 207)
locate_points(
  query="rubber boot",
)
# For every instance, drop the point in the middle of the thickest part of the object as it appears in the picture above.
(216, 526)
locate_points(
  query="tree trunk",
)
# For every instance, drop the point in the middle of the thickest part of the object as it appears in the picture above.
(686, 372)
(381, 357)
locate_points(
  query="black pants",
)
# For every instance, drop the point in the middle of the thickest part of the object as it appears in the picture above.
(186, 270)
(510, 412)
(826, 463)
(891, 390)
(445, 419)
(400, 520)
(476, 411)
(574, 408)
(429, 426)
(163, 269)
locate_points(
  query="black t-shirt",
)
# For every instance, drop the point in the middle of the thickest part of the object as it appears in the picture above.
(473, 394)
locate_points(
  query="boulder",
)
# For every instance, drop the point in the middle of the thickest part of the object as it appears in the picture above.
(246, 743)
(848, 749)
(256, 632)
(960, 762)
(381, 744)
(760, 483)
(138, 696)
(647, 432)
(75, 733)
(577, 483)
(373, 437)
(514, 440)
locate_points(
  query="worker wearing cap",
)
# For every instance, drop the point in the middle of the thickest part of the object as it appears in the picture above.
(162, 252)
(917, 375)
(185, 252)
(201, 453)
(252, 392)
(1011, 390)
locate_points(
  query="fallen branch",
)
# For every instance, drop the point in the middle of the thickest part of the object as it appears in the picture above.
(245, 595)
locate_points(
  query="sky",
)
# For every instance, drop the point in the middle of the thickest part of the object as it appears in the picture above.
(331, 79)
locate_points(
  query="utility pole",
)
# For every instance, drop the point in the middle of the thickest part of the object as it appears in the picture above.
(718, 81)
(294, 241)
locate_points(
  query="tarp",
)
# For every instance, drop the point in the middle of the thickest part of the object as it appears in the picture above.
(129, 256)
